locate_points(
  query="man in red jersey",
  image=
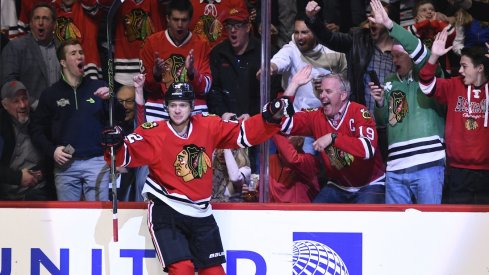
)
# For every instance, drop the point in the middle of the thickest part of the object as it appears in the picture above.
(175, 55)
(346, 138)
(179, 185)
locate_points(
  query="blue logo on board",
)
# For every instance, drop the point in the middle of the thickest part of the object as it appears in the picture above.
(327, 253)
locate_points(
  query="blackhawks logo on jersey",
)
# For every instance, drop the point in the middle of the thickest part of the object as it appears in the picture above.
(149, 125)
(137, 25)
(208, 27)
(471, 124)
(339, 158)
(398, 107)
(66, 29)
(176, 70)
(366, 114)
(192, 162)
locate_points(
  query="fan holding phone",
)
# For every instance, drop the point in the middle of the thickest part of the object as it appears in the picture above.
(63, 118)
(22, 178)
(414, 122)
(377, 90)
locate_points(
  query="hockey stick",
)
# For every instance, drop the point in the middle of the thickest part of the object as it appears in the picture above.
(110, 74)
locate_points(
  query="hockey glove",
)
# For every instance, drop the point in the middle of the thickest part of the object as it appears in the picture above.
(274, 110)
(112, 137)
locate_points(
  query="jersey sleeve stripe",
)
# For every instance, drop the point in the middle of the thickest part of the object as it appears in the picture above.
(450, 29)
(367, 146)
(127, 156)
(208, 83)
(426, 87)
(287, 125)
(242, 138)
(419, 53)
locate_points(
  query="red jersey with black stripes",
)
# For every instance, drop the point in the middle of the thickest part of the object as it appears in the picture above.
(75, 23)
(175, 57)
(180, 168)
(353, 161)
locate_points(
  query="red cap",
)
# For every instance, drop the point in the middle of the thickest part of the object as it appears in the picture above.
(238, 14)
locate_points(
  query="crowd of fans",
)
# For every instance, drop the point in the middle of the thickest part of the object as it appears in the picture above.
(389, 107)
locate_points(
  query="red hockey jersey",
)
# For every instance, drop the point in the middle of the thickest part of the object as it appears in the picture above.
(353, 161)
(175, 57)
(77, 24)
(207, 20)
(135, 21)
(180, 169)
(294, 176)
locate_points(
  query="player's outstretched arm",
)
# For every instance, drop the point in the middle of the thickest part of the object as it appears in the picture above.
(276, 109)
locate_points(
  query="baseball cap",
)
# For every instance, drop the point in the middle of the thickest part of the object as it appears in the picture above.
(11, 88)
(237, 13)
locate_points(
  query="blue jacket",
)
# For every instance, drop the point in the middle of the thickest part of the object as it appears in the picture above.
(72, 115)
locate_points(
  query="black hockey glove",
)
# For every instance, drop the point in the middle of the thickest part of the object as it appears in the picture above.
(112, 137)
(274, 110)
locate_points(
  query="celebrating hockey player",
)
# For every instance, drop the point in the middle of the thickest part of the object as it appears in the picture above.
(179, 185)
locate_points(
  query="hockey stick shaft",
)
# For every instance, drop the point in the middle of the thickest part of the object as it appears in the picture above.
(110, 73)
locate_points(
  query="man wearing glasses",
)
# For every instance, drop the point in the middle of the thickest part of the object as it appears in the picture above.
(234, 63)
(235, 93)
(125, 96)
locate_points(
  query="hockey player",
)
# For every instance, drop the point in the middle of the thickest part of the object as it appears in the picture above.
(179, 185)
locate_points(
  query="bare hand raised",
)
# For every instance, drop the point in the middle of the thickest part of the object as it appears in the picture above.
(312, 8)
(303, 75)
(159, 67)
(138, 88)
(189, 64)
(379, 15)
(300, 78)
(438, 47)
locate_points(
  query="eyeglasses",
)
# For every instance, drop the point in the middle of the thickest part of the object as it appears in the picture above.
(126, 101)
(235, 26)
